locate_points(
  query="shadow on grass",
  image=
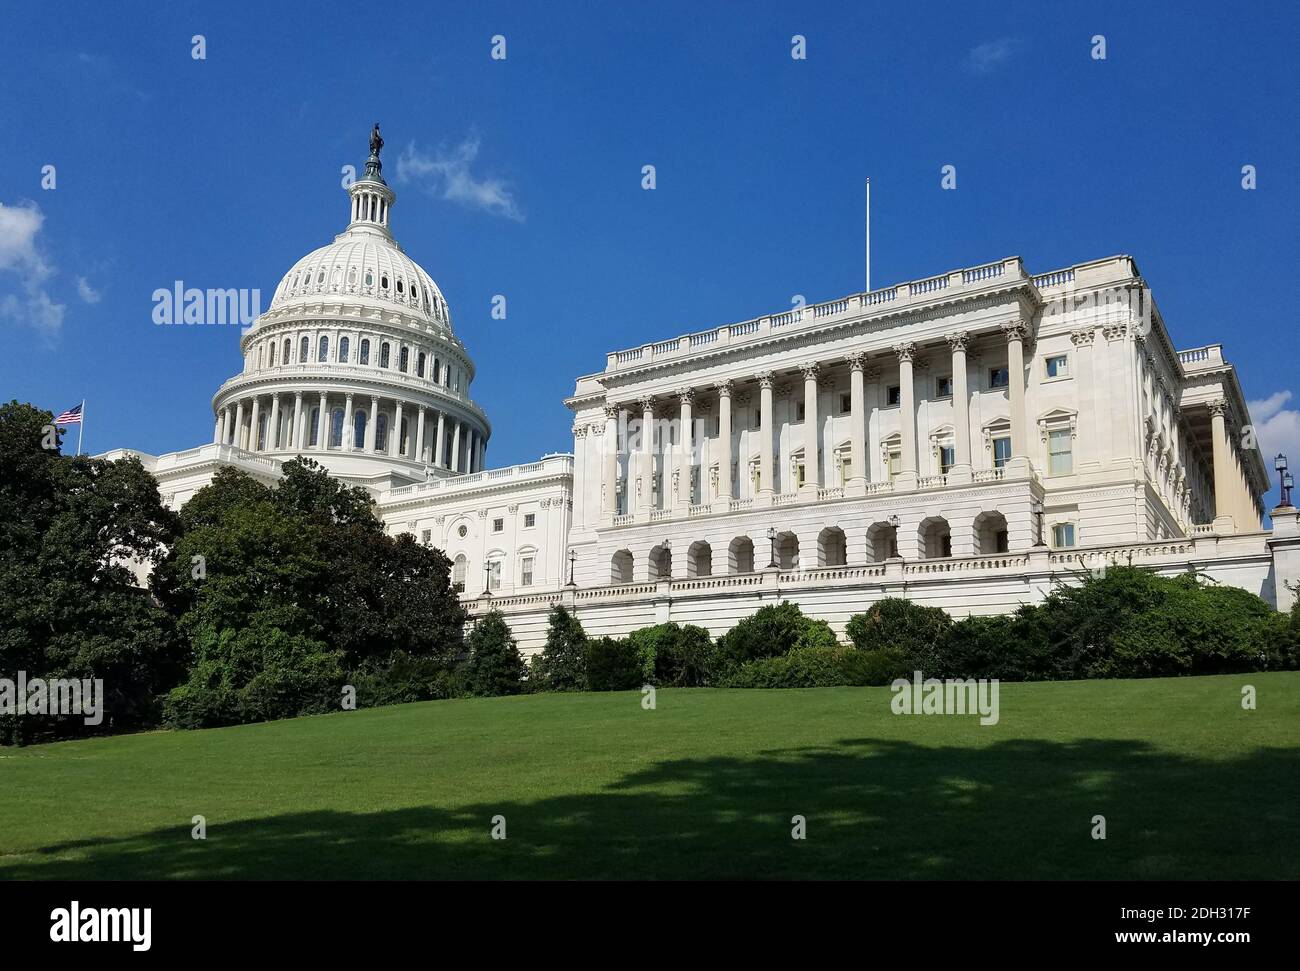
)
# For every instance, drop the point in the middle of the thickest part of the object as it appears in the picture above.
(874, 809)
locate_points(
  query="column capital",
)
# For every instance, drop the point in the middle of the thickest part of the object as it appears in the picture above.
(1082, 337)
(685, 395)
(723, 388)
(810, 370)
(1015, 330)
(765, 379)
(857, 360)
(1114, 332)
(1218, 407)
(905, 351)
(611, 412)
(958, 341)
(647, 403)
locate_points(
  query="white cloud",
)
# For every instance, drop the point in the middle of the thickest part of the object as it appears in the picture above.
(984, 58)
(1277, 428)
(20, 253)
(86, 292)
(446, 174)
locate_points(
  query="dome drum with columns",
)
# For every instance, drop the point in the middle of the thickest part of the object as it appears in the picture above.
(355, 362)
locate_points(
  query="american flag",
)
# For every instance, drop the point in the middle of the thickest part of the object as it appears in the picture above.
(70, 417)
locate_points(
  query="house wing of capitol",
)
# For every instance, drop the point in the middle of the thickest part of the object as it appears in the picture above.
(964, 440)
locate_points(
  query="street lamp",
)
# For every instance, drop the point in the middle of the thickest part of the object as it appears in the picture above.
(771, 541)
(572, 556)
(487, 578)
(1036, 507)
(1284, 477)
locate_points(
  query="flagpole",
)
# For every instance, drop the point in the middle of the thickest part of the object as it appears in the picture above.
(81, 425)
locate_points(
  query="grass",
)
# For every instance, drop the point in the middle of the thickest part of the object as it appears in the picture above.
(592, 786)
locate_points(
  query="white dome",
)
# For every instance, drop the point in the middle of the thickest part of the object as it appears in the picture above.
(363, 264)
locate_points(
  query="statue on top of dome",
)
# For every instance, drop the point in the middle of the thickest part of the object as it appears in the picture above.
(376, 141)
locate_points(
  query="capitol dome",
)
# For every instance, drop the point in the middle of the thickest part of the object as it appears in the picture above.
(354, 363)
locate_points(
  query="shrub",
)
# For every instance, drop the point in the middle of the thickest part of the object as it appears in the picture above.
(819, 667)
(562, 664)
(675, 655)
(772, 631)
(905, 626)
(495, 666)
(402, 678)
(613, 665)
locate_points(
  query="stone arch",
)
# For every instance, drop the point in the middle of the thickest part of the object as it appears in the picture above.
(787, 551)
(620, 567)
(832, 547)
(661, 562)
(935, 538)
(882, 541)
(699, 559)
(991, 532)
(740, 555)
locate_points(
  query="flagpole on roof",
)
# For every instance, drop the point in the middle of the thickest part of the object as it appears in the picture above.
(81, 425)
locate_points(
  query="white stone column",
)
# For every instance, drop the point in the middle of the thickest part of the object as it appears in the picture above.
(685, 464)
(644, 501)
(856, 483)
(906, 478)
(723, 500)
(455, 447)
(766, 465)
(216, 428)
(961, 471)
(349, 426)
(322, 422)
(440, 445)
(419, 436)
(295, 437)
(812, 465)
(470, 451)
(372, 425)
(1223, 468)
(239, 424)
(254, 417)
(609, 464)
(1016, 331)
(395, 435)
(273, 427)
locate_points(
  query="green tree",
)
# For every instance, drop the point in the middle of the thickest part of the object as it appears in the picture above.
(771, 631)
(562, 665)
(495, 666)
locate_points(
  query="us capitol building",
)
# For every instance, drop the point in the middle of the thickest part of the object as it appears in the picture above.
(965, 440)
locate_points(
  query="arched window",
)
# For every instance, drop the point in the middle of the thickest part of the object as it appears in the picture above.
(303, 350)
(320, 277)
(315, 426)
(383, 354)
(323, 354)
(436, 369)
(352, 276)
(419, 365)
(403, 439)
(370, 279)
(287, 348)
(260, 351)
(403, 359)
(272, 353)
(381, 432)
(359, 430)
(399, 287)
(383, 282)
(343, 350)
(336, 428)
(458, 568)
(365, 351)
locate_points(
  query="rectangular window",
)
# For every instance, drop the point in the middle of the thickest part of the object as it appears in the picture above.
(893, 395)
(1001, 452)
(426, 537)
(494, 575)
(846, 403)
(498, 525)
(1058, 366)
(526, 572)
(999, 378)
(943, 387)
(895, 462)
(1059, 452)
(846, 470)
(1000, 541)
(530, 520)
(799, 474)
(1063, 535)
(799, 411)
(947, 458)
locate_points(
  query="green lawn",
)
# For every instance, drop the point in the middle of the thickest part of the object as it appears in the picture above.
(1191, 786)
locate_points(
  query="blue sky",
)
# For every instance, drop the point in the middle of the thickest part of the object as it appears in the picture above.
(223, 172)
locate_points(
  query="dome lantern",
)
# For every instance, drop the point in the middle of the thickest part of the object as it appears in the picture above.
(372, 199)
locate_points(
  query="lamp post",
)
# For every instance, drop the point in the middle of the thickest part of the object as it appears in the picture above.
(1284, 478)
(771, 542)
(1036, 507)
(893, 543)
(572, 557)
(487, 578)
